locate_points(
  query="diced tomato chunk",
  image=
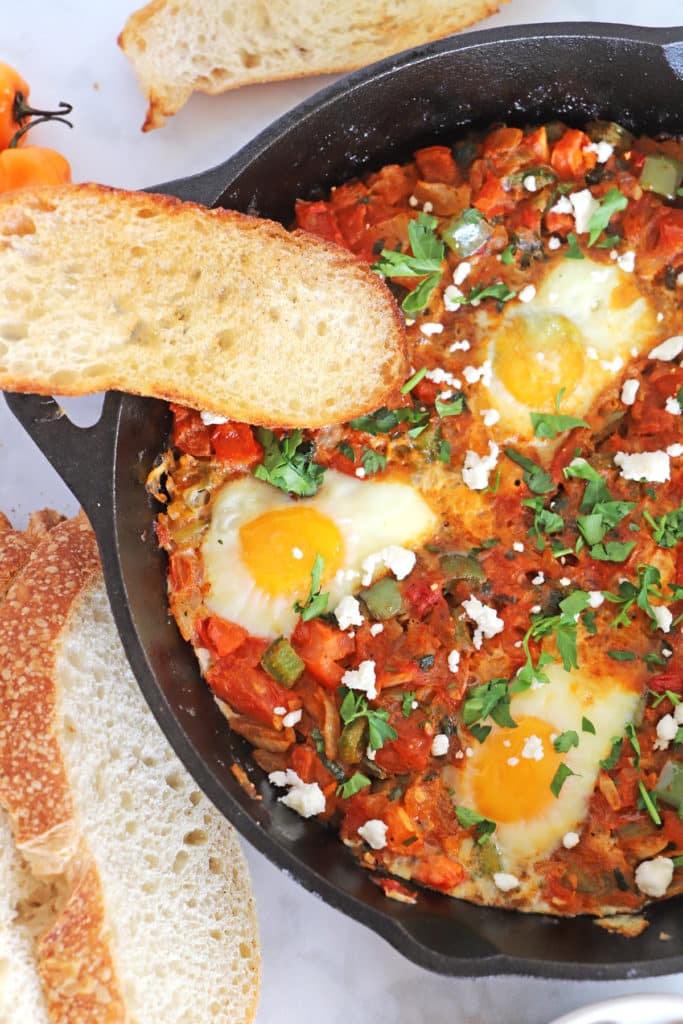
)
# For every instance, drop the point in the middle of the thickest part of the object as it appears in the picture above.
(318, 218)
(436, 163)
(422, 597)
(321, 648)
(183, 570)
(493, 199)
(235, 444)
(438, 872)
(569, 157)
(502, 140)
(190, 434)
(409, 752)
(667, 681)
(249, 690)
(220, 636)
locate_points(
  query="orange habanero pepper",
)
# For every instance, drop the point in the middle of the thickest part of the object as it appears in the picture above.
(16, 116)
(32, 165)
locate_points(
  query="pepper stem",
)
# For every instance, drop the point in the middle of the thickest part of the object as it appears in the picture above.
(22, 112)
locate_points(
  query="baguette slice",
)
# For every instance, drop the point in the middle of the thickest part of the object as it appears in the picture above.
(178, 46)
(152, 918)
(210, 308)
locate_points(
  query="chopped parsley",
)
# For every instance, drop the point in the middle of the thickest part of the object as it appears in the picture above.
(407, 698)
(344, 448)
(508, 255)
(545, 521)
(612, 758)
(414, 380)
(355, 706)
(384, 420)
(453, 406)
(649, 802)
(428, 254)
(587, 726)
(667, 529)
(573, 252)
(288, 463)
(564, 627)
(550, 425)
(316, 602)
(560, 777)
(373, 462)
(638, 594)
(633, 739)
(498, 291)
(484, 827)
(353, 785)
(536, 479)
(492, 698)
(565, 741)
(611, 203)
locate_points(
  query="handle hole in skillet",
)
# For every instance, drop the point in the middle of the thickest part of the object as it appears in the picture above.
(82, 410)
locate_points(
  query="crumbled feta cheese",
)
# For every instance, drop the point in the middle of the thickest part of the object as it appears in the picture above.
(428, 207)
(461, 272)
(554, 242)
(653, 877)
(399, 561)
(673, 406)
(504, 881)
(562, 206)
(476, 469)
(667, 727)
(459, 755)
(527, 293)
(613, 365)
(538, 579)
(595, 598)
(533, 748)
(674, 450)
(564, 581)
(513, 761)
(627, 261)
(376, 628)
(602, 149)
(360, 473)
(490, 417)
(669, 349)
(663, 617)
(529, 183)
(414, 705)
(583, 206)
(374, 832)
(535, 609)
(451, 296)
(412, 201)
(211, 418)
(292, 719)
(297, 553)
(486, 618)
(440, 745)
(517, 545)
(441, 376)
(453, 661)
(279, 711)
(306, 798)
(429, 329)
(370, 753)
(474, 374)
(652, 467)
(361, 678)
(460, 346)
(570, 840)
(347, 612)
(629, 391)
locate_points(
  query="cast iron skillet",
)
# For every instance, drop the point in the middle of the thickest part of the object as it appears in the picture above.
(379, 114)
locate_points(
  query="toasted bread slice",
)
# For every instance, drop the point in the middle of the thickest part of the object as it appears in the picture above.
(210, 308)
(178, 46)
(153, 918)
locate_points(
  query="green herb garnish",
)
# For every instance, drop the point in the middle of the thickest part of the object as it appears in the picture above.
(373, 462)
(610, 203)
(428, 254)
(484, 827)
(565, 741)
(353, 785)
(550, 425)
(316, 602)
(355, 706)
(573, 252)
(492, 698)
(560, 777)
(536, 479)
(288, 463)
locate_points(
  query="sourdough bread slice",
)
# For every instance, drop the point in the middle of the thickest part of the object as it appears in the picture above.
(219, 311)
(155, 919)
(178, 46)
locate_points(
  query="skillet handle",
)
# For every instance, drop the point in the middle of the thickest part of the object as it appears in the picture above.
(205, 188)
(79, 454)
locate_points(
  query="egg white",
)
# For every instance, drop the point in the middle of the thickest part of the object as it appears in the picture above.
(369, 515)
(601, 307)
(562, 703)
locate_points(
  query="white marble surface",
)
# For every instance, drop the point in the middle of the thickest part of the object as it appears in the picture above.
(315, 960)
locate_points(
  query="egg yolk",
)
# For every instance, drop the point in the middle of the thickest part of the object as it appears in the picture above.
(536, 355)
(279, 548)
(512, 770)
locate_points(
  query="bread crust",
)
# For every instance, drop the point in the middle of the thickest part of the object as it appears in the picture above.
(161, 39)
(213, 309)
